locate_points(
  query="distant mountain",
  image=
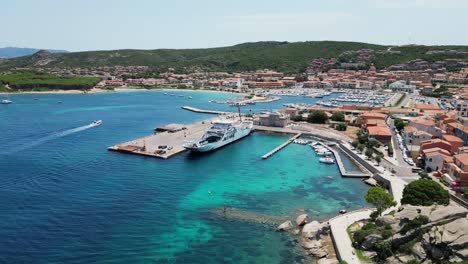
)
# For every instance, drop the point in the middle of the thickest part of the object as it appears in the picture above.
(13, 52)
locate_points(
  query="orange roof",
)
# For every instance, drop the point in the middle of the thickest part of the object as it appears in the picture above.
(448, 159)
(436, 151)
(451, 138)
(463, 158)
(423, 121)
(427, 107)
(379, 131)
(373, 115)
(409, 129)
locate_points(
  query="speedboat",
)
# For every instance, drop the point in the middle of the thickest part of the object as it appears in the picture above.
(96, 123)
(6, 101)
(327, 160)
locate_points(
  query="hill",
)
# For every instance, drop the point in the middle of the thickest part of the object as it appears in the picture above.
(13, 52)
(282, 56)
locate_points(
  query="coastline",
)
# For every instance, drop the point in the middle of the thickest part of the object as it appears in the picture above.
(116, 90)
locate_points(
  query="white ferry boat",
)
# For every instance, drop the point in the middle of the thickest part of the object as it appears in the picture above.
(221, 133)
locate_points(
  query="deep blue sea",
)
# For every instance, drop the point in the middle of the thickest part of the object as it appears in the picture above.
(66, 199)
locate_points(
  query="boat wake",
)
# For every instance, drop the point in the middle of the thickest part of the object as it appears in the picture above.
(52, 136)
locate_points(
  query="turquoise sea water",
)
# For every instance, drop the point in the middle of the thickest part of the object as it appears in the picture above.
(66, 199)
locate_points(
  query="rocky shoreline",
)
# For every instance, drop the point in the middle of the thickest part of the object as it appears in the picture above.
(314, 238)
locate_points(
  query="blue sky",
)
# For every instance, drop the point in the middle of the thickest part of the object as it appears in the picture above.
(78, 25)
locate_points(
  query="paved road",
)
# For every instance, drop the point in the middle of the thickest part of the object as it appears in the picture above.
(343, 244)
(401, 168)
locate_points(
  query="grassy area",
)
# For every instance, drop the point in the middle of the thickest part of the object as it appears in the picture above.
(359, 253)
(33, 81)
(46, 79)
(4, 89)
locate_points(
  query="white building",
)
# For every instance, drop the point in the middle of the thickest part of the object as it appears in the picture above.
(401, 86)
(462, 108)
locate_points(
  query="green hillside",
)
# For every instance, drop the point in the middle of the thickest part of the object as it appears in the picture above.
(281, 56)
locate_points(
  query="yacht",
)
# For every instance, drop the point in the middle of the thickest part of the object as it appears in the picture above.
(6, 101)
(96, 123)
(221, 133)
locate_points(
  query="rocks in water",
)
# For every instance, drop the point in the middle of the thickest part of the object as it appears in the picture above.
(309, 244)
(296, 231)
(301, 220)
(285, 226)
(370, 240)
(313, 230)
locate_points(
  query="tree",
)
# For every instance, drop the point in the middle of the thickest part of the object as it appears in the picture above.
(355, 143)
(361, 147)
(380, 198)
(369, 153)
(378, 159)
(341, 127)
(465, 191)
(399, 123)
(317, 117)
(297, 118)
(425, 192)
(338, 117)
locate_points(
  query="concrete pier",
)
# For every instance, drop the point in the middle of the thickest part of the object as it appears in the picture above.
(148, 146)
(341, 167)
(280, 147)
(197, 110)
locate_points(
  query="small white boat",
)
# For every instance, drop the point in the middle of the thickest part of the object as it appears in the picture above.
(324, 153)
(190, 97)
(6, 101)
(327, 160)
(96, 123)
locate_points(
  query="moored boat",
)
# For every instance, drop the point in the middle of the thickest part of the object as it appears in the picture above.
(327, 160)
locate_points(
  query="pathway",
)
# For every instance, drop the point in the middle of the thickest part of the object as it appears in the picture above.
(341, 239)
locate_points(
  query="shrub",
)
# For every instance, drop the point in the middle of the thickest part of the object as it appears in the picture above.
(342, 262)
(425, 192)
(341, 127)
(465, 191)
(387, 233)
(374, 215)
(414, 223)
(413, 261)
(317, 117)
(383, 249)
(360, 235)
(369, 226)
(338, 116)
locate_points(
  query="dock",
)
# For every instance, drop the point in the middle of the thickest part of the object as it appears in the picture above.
(197, 110)
(149, 145)
(280, 147)
(341, 167)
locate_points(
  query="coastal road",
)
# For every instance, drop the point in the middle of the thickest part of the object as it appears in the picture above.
(338, 226)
